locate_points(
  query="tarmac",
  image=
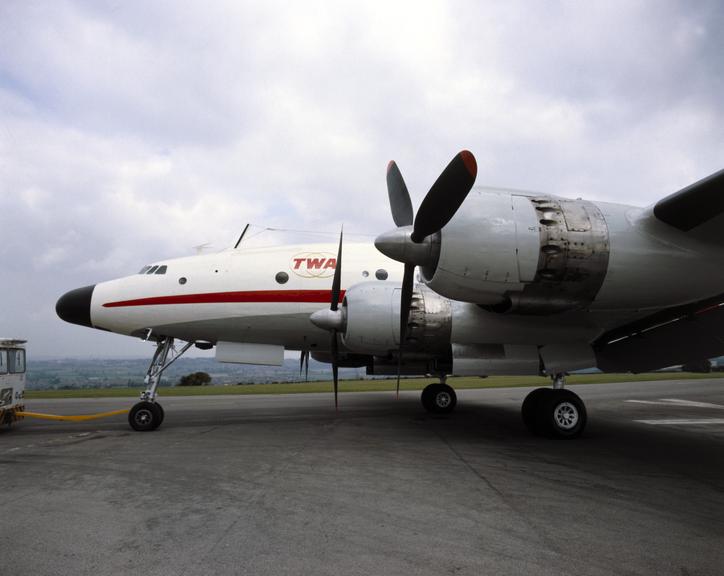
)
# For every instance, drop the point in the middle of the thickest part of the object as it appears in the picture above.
(276, 485)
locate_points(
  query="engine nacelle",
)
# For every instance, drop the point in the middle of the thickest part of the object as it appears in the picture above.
(372, 321)
(524, 254)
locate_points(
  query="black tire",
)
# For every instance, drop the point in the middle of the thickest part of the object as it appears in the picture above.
(529, 409)
(561, 414)
(145, 416)
(426, 397)
(439, 398)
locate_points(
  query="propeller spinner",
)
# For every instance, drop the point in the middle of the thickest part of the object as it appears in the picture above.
(411, 242)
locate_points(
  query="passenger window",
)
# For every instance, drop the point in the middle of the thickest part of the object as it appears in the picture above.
(3, 361)
(17, 361)
(381, 274)
(144, 269)
(162, 269)
(152, 269)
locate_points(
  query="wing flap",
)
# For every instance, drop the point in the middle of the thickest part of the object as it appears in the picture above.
(673, 336)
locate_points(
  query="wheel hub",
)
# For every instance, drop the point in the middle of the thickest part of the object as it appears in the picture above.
(565, 415)
(143, 417)
(443, 399)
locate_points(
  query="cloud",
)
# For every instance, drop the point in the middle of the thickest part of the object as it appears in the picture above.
(131, 132)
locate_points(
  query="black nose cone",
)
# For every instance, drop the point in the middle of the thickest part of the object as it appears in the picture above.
(75, 306)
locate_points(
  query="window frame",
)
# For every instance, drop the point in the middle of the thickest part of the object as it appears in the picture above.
(11, 360)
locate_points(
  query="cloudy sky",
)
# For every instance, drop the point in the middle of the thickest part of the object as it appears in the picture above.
(134, 131)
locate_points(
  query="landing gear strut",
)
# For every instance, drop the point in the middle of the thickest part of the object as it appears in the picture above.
(148, 414)
(439, 398)
(554, 411)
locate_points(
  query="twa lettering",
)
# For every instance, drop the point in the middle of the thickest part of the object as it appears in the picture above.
(313, 264)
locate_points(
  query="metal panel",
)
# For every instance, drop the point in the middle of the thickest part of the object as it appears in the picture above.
(573, 261)
(526, 235)
(495, 359)
(261, 354)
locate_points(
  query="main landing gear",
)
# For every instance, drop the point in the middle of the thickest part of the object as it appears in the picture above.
(439, 398)
(148, 414)
(554, 411)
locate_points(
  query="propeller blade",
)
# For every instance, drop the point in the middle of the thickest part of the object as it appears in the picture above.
(306, 366)
(335, 368)
(446, 195)
(337, 281)
(400, 202)
(301, 362)
(405, 302)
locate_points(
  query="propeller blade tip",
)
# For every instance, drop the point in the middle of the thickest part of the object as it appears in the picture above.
(390, 165)
(470, 164)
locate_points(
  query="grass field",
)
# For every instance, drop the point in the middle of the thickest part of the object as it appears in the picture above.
(362, 385)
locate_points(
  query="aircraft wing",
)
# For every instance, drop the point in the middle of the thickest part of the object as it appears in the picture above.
(698, 208)
(672, 336)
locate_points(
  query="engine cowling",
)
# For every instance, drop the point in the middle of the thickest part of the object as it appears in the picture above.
(523, 254)
(372, 321)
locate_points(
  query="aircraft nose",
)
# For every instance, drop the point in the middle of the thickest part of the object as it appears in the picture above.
(75, 306)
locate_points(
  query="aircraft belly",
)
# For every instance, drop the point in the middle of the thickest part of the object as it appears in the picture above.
(293, 331)
(133, 319)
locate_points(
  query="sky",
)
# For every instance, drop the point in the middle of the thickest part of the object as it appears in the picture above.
(134, 131)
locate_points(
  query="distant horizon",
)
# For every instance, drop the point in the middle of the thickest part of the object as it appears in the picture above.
(288, 355)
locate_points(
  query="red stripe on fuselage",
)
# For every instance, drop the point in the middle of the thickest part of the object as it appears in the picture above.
(288, 296)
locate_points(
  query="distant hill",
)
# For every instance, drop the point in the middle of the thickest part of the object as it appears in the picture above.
(99, 373)
(129, 373)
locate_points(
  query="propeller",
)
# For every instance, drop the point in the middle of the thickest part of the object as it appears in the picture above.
(411, 242)
(336, 286)
(304, 361)
(333, 319)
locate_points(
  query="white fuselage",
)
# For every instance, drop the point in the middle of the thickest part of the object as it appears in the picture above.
(235, 296)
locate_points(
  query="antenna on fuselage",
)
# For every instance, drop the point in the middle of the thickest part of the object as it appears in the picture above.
(241, 237)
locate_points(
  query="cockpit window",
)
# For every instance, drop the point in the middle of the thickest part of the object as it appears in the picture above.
(152, 269)
(144, 269)
(162, 269)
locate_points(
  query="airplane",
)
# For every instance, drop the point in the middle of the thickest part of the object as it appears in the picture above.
(479, 282)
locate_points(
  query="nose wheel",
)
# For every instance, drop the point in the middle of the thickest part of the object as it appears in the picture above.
(559, 413)
(145, 416)
(439, 398)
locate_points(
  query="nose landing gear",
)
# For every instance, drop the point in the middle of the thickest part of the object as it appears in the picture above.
(148, 414)
(555, 412)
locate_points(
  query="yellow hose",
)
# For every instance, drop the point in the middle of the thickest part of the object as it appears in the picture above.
(81, 418)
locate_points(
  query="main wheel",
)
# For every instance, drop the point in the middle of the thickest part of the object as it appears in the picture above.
(145, 416)
(529, 409)
(426, 397)
(561, 414)
(439, 398)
